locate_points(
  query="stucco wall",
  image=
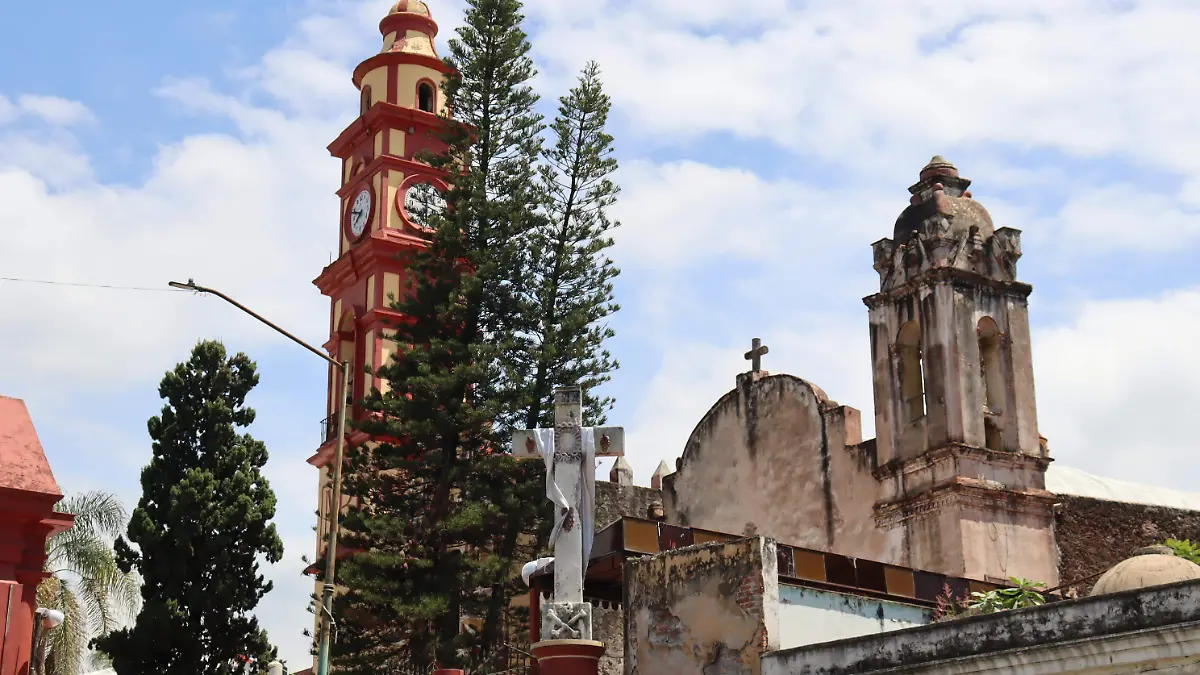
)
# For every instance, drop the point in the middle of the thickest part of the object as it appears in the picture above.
(770, 458)
(812, 615)
(709, 609)
(608, 626)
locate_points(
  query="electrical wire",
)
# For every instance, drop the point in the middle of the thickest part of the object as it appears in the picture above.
(83, 285)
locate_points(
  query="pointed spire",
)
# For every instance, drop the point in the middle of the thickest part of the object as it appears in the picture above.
(621, 473)
(656, 479)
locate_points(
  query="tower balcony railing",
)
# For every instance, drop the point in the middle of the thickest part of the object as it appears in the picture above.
(329, 428)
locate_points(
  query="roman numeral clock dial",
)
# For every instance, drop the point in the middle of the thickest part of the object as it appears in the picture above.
(360, 213)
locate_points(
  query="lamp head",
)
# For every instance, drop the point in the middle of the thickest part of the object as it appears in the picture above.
(189, 286)
(51, 618)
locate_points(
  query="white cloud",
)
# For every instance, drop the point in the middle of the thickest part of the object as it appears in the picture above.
(687, 213)
(841, 79)
(8, 111)
(55, 109)
(1116, 387)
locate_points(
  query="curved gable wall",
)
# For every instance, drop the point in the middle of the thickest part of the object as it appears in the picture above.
(771, 458)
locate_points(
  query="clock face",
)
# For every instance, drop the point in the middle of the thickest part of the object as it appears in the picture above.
(422, 202)
(360, 213)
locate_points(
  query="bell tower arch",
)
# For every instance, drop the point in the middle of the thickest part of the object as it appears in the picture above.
(960, 462)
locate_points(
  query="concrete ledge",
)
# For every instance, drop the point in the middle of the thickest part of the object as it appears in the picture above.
(1142, 618)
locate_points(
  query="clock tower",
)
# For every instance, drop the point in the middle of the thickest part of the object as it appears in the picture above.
(382, 189)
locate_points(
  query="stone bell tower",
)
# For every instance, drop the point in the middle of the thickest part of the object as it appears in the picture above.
(961, 467)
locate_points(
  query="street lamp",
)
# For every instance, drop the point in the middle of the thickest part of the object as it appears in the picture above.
(43, 620)
(335, 508)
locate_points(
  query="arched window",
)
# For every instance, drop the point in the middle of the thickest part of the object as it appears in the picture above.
(364, 102)
(991, 376)
(912, 375)
(425, 97)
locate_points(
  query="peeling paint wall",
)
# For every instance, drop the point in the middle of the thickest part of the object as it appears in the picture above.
(776, 458)
(812, 615)
(706, 609)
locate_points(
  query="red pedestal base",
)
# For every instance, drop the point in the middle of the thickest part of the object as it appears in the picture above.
(444, 671)
(568, 657)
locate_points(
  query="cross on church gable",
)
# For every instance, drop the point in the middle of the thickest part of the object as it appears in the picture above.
(754, 356)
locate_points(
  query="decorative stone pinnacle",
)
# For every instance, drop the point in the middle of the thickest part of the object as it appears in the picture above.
(938, 166)
(621, 473)
(662, 470)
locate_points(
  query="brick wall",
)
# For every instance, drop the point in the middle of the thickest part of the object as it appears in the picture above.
(750, 598)
(1094, 534)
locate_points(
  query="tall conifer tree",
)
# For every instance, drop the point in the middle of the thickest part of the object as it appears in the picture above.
(439, 507)
(574, 293)
(201, 526)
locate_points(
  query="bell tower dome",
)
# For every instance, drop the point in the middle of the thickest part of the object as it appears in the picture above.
(960, 462)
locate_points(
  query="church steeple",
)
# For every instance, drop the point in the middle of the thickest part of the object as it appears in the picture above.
(950, 326)
(955, 415)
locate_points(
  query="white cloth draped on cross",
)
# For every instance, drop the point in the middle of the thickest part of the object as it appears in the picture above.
(570, 451)
(584, 514)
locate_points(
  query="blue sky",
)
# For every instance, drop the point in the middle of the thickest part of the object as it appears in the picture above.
(763, 145)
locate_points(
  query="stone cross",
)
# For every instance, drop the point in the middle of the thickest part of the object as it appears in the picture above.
(754, 356)
(569, 450)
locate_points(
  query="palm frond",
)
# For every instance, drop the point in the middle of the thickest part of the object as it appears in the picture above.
(68, 642)
(96, 512)
(86, 585)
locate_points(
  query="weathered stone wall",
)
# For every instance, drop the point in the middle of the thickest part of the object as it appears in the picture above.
(1094, 534)
(1145, 630)
(710, 609)
(614, 501)
(771, 458)
(608, 626)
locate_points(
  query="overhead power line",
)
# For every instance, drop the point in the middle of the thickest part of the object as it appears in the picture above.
(84, 285)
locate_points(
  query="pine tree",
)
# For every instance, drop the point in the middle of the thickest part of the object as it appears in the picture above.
(574, 293)
(201, 525)
(440, 513)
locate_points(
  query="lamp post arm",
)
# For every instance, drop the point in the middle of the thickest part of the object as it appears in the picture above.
(191, 286)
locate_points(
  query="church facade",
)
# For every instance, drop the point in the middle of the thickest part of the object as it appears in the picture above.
(954, 482)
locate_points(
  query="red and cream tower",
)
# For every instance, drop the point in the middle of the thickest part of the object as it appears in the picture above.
(381, 181)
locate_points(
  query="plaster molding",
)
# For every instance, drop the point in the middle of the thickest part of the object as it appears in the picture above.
(968, 493)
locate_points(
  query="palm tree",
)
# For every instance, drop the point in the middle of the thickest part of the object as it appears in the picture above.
(85, 583)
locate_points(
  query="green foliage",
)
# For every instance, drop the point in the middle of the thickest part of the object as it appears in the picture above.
(573, 293)
(442, 514)
(201, 527)
(86, 585)
(1184, 548)
(1023, 593)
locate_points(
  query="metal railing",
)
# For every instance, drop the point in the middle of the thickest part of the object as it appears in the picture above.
(329, 428)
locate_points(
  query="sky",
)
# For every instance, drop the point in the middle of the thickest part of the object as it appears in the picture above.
(763, 147)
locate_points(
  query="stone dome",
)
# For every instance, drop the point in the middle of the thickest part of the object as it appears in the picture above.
(1150, 566)
(417, 7)
(941, 192)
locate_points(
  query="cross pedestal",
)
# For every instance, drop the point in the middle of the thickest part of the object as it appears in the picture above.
(569, 450)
